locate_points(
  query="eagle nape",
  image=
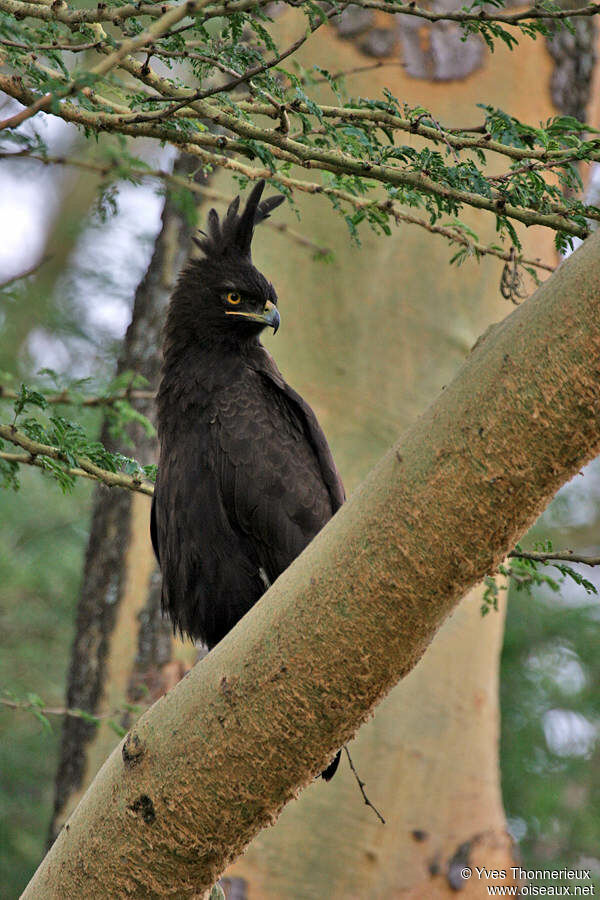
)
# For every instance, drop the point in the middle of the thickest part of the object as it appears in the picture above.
(246, 478)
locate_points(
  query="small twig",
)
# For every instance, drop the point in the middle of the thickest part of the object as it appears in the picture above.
(518, 578)
(72, 48)
(535, 167)
(356, 70)
(68, 398)
(445, 140)
(65, 711)
(27, 113)
(560, 556)
(361, 786)
(47, 710)
(475, 129)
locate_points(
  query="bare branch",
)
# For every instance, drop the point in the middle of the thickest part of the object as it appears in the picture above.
(62, 711)
(55, 45)
(27, 113)
(559, 556)
(72, 399)
(361, 786)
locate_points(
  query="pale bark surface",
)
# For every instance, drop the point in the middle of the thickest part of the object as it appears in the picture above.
(218, 757)
(429, 757)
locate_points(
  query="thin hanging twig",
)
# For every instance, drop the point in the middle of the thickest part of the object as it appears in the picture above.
(361, 786)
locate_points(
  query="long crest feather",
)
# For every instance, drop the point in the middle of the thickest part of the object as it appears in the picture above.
(234, 233)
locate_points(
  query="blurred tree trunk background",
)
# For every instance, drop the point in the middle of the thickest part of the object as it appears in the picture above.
(123, 649)
(369, 340)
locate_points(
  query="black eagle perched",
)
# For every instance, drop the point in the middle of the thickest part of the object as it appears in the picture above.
(246, 478)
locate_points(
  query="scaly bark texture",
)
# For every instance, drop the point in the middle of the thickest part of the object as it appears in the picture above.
(218, 757)
(574, 54)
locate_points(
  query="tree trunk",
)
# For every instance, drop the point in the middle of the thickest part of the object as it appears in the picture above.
(112, 658)
(217, 758)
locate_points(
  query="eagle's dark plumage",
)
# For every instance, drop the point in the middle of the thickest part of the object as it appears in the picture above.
(245, 477)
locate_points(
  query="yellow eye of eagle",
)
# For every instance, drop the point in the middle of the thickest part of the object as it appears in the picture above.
(233, 297)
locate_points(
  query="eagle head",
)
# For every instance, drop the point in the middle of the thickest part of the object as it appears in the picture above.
(221, 295)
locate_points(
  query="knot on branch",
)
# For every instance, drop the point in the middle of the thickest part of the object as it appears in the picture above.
(144, 807)
(133, 749)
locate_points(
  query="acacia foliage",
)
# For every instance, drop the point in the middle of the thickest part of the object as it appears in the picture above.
(211, 78)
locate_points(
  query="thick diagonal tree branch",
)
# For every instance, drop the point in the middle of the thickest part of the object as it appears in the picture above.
(216, 760)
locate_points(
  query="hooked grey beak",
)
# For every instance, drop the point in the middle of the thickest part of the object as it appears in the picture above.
(269, 316)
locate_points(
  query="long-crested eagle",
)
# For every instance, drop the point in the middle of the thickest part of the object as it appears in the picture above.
(245, 477)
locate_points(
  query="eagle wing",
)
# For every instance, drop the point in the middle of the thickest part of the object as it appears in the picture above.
(210, 570)
(278, 479)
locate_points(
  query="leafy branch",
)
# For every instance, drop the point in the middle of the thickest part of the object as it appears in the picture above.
(476, 14)
(454, 232)
(425, 173)
(551, 555)
(241, 82)
(62, 448)
(525, 572)
(65, 466)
